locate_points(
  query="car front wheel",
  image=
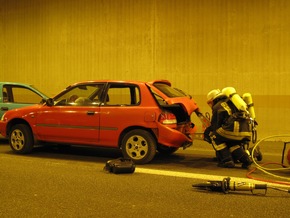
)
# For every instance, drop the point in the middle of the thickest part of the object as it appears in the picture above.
(139, 145)
(21, 139)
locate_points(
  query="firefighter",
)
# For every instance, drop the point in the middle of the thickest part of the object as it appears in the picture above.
(225, 134)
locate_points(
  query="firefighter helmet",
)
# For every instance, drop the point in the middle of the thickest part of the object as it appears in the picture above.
(213, 94)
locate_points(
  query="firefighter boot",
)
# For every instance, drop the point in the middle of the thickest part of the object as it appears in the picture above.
(239, 154)
(246, 161)
(225, 158)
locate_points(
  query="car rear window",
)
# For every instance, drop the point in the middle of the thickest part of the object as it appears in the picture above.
(168, 90)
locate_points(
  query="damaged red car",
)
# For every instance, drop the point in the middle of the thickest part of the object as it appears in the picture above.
(140, 118)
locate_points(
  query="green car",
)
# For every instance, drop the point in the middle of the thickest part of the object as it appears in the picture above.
(15, 95)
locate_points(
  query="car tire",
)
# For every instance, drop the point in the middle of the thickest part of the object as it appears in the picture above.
(139, 145)
(21, 139)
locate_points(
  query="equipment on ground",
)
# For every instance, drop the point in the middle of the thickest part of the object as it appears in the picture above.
(226, 185)
(120, 165)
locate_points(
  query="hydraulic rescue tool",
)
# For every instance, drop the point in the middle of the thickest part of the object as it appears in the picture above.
(227, 185)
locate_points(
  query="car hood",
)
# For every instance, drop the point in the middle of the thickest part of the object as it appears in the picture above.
(21, 112)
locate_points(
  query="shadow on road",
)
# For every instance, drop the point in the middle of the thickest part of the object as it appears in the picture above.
(180, 159)
(95, 154)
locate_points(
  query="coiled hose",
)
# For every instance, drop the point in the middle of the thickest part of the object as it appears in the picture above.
(265, 169)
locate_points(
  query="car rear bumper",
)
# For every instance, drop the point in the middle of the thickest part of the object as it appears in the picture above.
(172, 137)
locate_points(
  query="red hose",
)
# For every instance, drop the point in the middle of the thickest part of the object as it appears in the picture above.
(265, 180)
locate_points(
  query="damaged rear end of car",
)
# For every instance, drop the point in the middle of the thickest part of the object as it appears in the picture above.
(175, 128)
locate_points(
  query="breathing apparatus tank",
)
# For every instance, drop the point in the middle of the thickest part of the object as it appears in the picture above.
(235, 98)
(249, 101)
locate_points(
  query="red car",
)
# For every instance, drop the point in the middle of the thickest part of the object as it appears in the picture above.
(140, 118)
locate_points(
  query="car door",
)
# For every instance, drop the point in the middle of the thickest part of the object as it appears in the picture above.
(72, 120)
(120, 110)
(16, 96)
(69, 124)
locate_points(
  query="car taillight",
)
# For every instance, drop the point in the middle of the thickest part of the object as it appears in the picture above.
(167, 118)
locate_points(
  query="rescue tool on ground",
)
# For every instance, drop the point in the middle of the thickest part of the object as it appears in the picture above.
(227, 185)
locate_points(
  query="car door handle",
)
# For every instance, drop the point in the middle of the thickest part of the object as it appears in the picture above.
(90, 112)
(4, 108)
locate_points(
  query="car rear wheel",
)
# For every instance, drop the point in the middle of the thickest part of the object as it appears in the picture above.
(21, 139)
(139, 145)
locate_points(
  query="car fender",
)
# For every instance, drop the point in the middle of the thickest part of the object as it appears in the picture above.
(24, 115)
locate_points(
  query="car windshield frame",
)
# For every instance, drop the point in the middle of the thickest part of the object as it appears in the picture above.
(41, 92)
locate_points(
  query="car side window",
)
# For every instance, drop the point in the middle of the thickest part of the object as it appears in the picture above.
(123, 95)
(5, 95)
(82, 95)
(21, 95)
(159, 99)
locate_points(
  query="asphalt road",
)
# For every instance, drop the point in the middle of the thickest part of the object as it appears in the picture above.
(71, 182)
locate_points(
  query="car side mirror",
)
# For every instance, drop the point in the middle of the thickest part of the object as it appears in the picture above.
(49, 102)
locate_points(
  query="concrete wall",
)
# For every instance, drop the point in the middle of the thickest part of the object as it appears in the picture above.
(198, 45)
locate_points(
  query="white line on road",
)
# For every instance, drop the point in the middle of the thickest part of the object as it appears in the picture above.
(199, 176)
(181, 174)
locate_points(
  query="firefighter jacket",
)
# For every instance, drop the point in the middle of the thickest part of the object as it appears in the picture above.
(228, 122)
